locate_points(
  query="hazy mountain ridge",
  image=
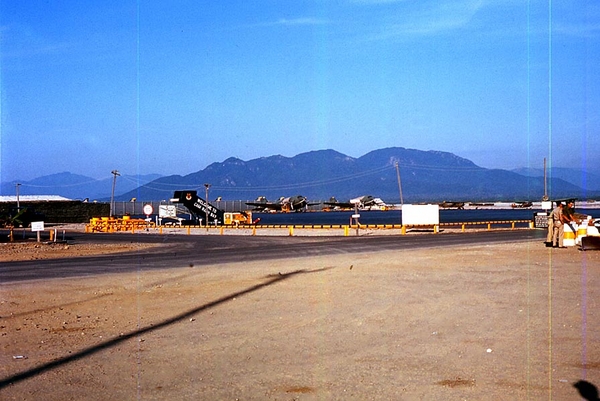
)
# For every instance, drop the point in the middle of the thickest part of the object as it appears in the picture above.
(578, 177)
(75, 186)
(425, 176)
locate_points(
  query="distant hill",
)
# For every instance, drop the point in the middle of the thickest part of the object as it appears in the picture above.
(580, 178)
(426, 176)
(75, 186)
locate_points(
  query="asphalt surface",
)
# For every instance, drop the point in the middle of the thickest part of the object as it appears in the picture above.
(174, 251)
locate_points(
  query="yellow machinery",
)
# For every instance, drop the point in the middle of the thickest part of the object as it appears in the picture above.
(237, 218)
(114, 224)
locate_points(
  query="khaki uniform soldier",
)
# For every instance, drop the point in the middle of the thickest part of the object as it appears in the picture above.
(559, 228)
(550, 229)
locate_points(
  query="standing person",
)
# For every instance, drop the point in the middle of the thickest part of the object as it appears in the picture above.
(569, 216)
(569, 212)
(550, 229)
(559, 229)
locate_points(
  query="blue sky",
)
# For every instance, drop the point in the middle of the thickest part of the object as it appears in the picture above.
(170, 87)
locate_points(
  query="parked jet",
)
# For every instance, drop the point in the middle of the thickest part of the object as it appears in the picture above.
(521, 205)
(296, 203)
(362, 202)
(450, 205)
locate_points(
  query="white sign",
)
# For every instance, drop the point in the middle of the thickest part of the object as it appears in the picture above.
(148, 209)
(167, 211)
(37, 226)
(356, 216)
(420, 215)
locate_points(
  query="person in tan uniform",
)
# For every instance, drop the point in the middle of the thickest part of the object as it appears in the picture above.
(559, 228)
(550, 229)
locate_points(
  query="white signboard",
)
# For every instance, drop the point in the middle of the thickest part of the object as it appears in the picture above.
(420, 215)
(167, 211)
(37, 226)
(148, 209)
(546, 205)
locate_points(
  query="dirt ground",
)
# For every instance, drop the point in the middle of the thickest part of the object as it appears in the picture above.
(31, 250)
(486, 322)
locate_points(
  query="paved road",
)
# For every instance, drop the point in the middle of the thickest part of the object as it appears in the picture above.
(197, 250)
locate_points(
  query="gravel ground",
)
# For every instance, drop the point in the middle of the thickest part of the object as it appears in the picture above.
(10, 252)
(486, 322)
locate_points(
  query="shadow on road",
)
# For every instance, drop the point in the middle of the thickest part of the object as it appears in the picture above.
(30, 312)
(127, 336)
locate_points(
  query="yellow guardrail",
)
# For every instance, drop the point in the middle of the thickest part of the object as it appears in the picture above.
(512, 223)
(111, 224)
(291, 228)
(114, 224)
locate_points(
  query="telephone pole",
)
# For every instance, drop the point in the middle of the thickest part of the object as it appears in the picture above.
(17, 185)
(545, 198)
(206, 186)
(115, 173)
(399, 184)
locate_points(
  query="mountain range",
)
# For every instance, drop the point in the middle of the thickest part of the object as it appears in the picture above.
(74, 186)
(420, 176)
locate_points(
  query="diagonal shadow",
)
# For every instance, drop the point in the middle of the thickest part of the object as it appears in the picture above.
(25, 313)
(153, 284)
(182, 316)
(150, 285)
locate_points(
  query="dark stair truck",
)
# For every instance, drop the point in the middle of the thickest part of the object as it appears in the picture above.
(202, 211)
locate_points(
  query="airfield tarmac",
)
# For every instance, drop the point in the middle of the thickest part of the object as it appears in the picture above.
(481, 322)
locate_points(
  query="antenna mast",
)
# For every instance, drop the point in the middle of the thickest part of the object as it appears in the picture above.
(399, 184)
(545, 198)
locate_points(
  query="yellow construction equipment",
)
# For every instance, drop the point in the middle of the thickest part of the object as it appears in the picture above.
(237, 218)
(115, 224)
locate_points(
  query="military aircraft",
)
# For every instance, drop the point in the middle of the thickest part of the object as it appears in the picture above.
(362, 202)
(450, 205)
(521, 205)
(296, 203)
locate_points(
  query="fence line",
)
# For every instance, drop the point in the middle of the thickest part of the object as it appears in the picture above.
(136, 208)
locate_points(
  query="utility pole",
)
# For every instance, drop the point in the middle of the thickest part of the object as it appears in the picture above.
(17, 185)
(356, 218)
(115, 173)
(545, 198)
(206, 186)
(399, 184)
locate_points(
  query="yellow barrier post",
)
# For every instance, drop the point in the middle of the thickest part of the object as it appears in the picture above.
(254, 230)
(489, 226)
(221, 231)
(51, 235)
(569, 238)
(403, 229)
(346, 231)
(463, 227)
(512, 225)
(436, 229)
(189, 230)
(291, 231)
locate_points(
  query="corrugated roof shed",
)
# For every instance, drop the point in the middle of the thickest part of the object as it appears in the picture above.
(34, 198)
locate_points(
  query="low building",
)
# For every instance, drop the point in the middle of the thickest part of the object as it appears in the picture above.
(55, 209)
